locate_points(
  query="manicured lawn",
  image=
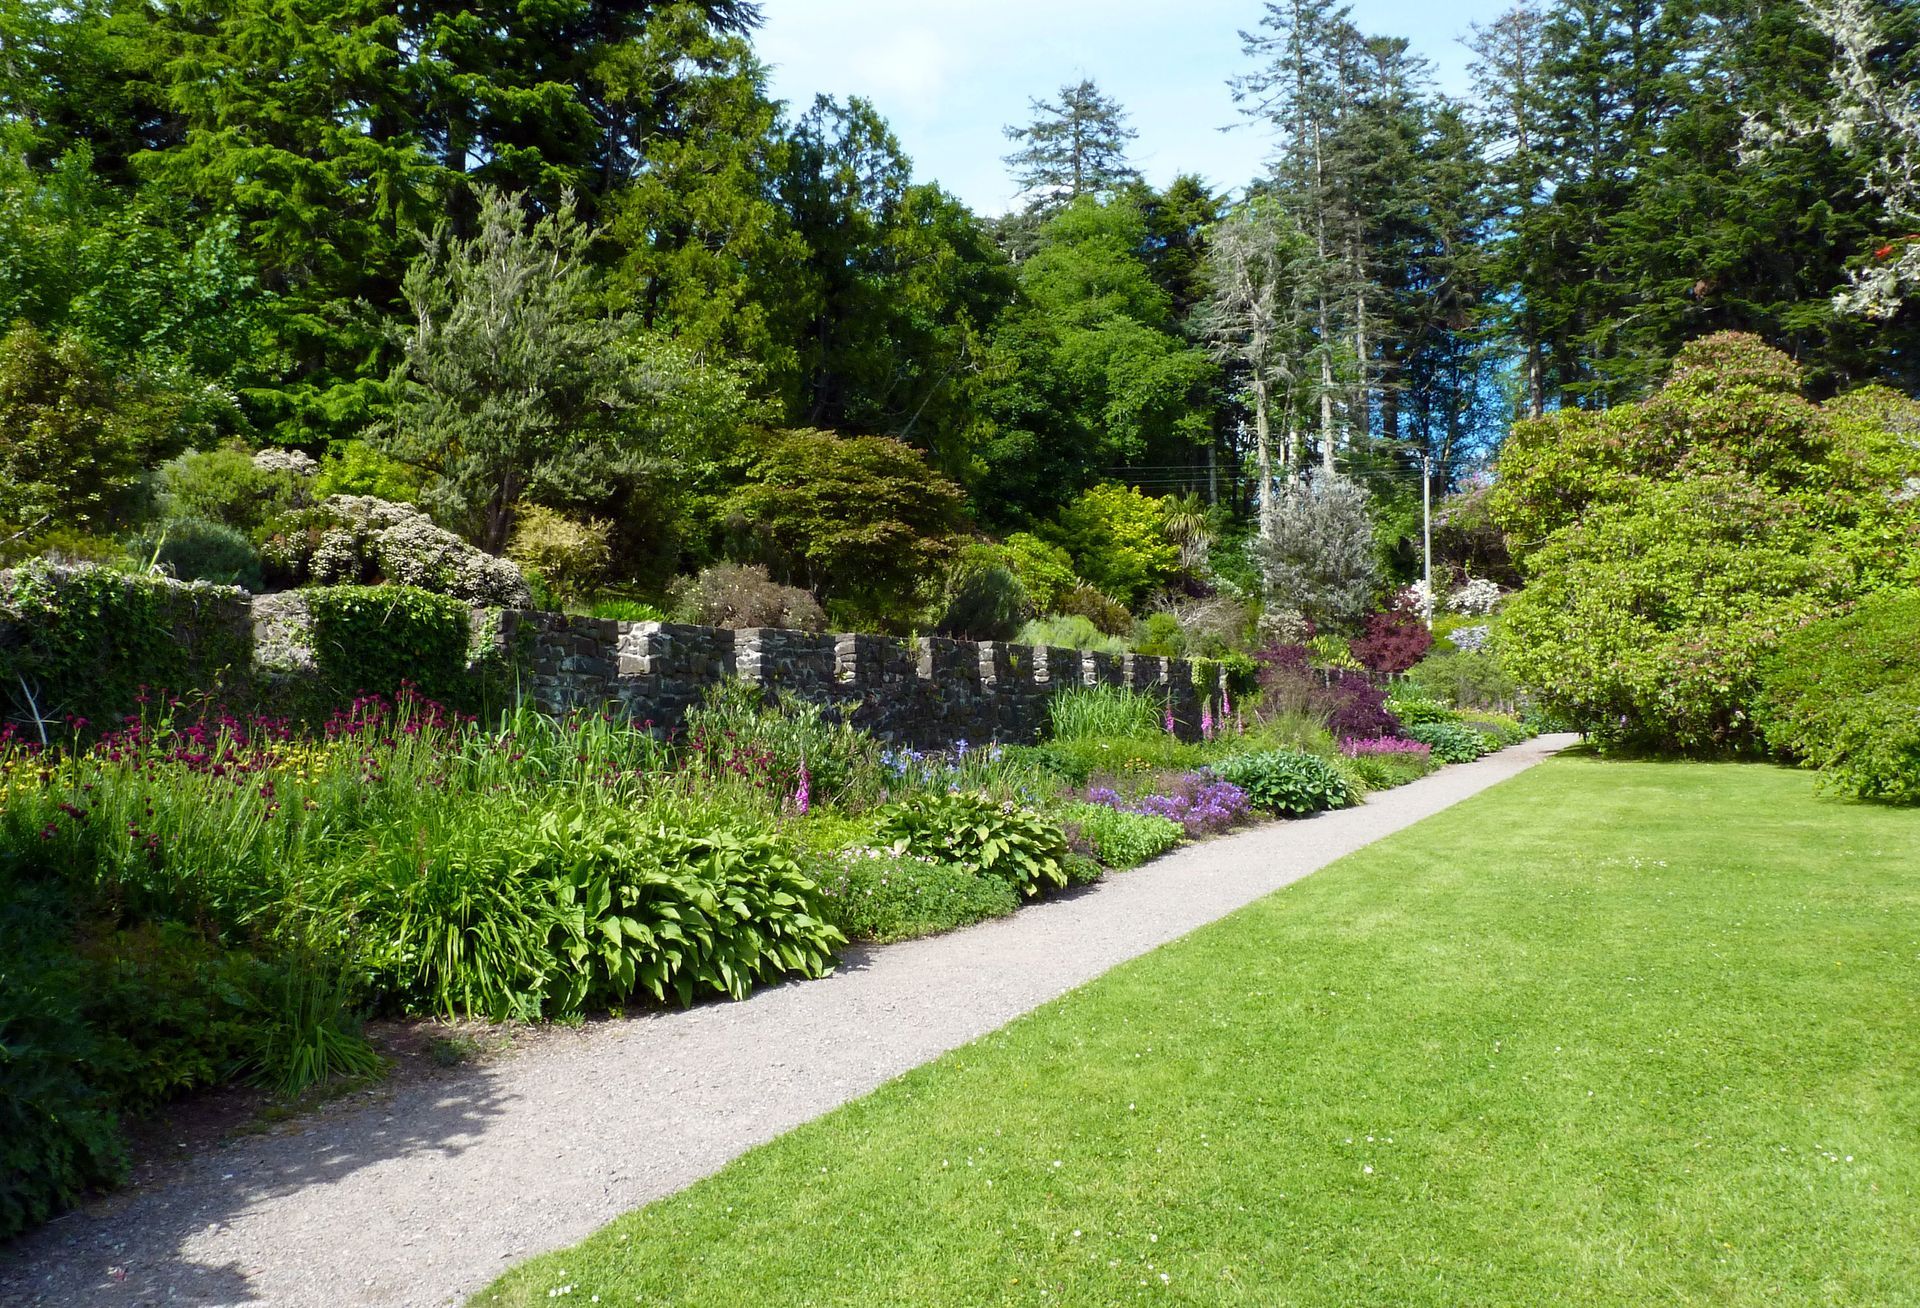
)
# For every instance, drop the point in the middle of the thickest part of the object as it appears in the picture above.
(1609, 1034)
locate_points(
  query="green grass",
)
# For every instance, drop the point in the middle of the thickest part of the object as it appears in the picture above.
(1612, 1033)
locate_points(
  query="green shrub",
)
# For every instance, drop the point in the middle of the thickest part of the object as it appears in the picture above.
(1160, 633)
(59, 1136)
(1122, 840)
(225, 486)
(986, 603)
(1451, 742)
(982, 835)
(1465, 680)
(567, 554)
(1415, 709)
(1044, 571)
(193, 549)
(1843, 695)
(1107, 614)
(1500, 730)
(729, 595)
(1118, 540)
(1107, 711)
(879, 895)
(1288, 784)
(1056, 632)
(375, 639)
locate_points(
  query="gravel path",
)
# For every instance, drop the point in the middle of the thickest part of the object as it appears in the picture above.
(423, 1201)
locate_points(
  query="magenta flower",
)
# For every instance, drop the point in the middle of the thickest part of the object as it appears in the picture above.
(1169, 719)
(803, 797)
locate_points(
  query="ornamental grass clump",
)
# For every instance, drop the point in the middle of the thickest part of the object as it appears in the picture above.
(1109, 712)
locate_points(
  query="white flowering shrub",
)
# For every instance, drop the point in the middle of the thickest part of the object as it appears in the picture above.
(1478, 598)
(358, 539)
(1416, 599)
(1471, 640)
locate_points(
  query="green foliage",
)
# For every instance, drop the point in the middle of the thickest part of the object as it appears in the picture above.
(1069, 633)
(224, 485)
(74, 439)
(1288, 784)
(357, 467)
(374, 639)
(1044, 571)
(194, 549)
(1078, 761)
(1476, 680)
(1843, 695)
(880, 895)
(987, 837)
(516, 386)
(1160, 634)
(1644, 622)
(1385, 771)
(568, 555)
(313, 1036)
(1122, 840)
(1451, 742)
(626, 610)
(985, 603)
(1112, 712)
(862, 519)
(58, 1134)
(1118, 540)
(87, 638)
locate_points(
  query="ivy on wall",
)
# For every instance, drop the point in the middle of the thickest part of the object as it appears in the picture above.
(374, 639)
(80, 643)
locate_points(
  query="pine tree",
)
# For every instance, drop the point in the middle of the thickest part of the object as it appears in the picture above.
(1075, 146)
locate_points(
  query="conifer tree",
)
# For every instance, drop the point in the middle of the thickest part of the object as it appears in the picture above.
(1075, 146)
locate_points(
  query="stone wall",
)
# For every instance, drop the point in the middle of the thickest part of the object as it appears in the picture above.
(928, 692)
(259, 652)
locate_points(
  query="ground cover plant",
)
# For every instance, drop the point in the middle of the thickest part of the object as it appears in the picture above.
(1610, 1033)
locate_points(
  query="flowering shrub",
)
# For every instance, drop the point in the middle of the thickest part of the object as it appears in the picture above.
(1384, 745)
(358, 539)
(1476, 599)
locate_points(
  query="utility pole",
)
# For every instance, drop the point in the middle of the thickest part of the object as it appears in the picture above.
(1426, 529)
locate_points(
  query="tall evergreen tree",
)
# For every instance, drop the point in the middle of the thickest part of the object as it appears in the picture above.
(1075, 146)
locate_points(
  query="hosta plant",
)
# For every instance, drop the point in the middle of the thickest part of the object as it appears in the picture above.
(1287, 784)
(988, 837)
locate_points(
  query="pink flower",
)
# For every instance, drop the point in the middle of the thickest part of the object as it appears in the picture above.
(803, 797)
(1206, 720)
(1169, 719)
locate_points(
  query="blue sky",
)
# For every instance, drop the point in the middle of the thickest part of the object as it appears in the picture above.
(949, 74)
